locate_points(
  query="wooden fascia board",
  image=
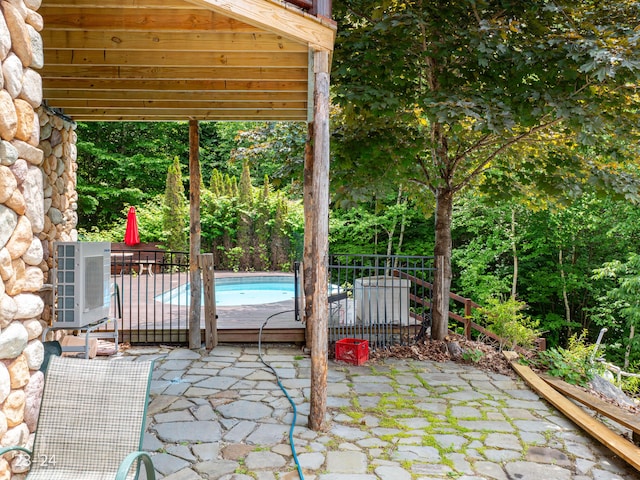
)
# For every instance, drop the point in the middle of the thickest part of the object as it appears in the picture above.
(277, 17)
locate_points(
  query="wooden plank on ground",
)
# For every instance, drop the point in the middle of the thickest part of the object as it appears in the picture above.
(614, 442)
(615, 413)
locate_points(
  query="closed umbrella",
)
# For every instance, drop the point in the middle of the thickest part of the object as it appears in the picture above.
(131, 235)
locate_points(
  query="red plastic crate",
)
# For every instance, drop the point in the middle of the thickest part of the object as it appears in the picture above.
(352, 350)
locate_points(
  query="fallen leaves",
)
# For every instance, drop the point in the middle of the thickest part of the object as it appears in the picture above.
(489, 359)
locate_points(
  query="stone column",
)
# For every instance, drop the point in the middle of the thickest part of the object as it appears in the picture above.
(58, 144)
(22, 224)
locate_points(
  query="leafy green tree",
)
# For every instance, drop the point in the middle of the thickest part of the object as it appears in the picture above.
(122, 164)
(275, 150)
(620, 305)
(440, 93)
(175, 209)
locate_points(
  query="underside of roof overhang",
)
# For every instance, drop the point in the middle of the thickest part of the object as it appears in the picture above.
(137, 60)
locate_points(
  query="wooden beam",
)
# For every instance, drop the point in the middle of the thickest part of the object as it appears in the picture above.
(173, 73)
(194, 235)
(175, 59)
(279, 18)
(169, 41)
(308, 262)
(210, 317)
(185, 20)
(192, 103)
(184, 114)
(126, 85)
(320, 311)
(257, 97)
(614, 442)
(125, 4)
(615, 413)
(172, 116)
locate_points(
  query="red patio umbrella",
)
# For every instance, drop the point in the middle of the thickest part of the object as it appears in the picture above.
(131, 235)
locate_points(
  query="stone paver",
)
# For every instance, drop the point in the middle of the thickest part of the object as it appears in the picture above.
(221, 415)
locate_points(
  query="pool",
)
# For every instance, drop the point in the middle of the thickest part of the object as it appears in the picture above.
(237, 291)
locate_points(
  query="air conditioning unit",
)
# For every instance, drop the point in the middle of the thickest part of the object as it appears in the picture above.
(81, 283)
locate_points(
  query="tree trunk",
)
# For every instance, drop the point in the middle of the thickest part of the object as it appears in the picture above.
(442, 280)
(565, 297)
(514, 248)
(627, 353)
(391, 233)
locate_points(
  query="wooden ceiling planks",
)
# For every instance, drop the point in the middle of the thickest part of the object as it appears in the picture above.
(175, 60)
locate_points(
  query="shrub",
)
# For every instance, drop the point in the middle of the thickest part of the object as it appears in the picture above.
(573, 364)
(507, 320)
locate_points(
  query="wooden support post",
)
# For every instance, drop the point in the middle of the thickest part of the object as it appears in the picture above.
(194, 236)
(320, 214)
(467, 316)
(210, 318)
(308, 262)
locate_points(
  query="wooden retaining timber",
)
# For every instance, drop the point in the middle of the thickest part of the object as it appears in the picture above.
(617, 414)
(614, 442)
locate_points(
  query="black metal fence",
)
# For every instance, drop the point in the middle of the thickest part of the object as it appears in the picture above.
(151, 297)
(385, 300)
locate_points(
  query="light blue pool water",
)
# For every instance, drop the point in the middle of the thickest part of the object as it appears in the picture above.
(236, 291)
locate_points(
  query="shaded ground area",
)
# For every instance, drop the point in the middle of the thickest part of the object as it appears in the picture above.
(220, 415)
(481, 355)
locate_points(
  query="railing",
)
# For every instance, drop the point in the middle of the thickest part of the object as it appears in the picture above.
(371, 297)
(316, 7)
(383, 299)
(468, 306)
(140, 276)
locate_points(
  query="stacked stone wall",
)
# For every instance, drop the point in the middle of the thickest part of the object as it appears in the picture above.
(58, 144)
(34, 211)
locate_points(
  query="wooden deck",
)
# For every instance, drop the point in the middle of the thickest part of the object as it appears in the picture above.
(145, 319)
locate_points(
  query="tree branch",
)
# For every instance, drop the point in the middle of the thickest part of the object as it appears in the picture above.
(425, 172)
(483, 165)
(477, 145)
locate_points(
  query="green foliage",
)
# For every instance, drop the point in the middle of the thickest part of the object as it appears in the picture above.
(482, 256)
(150, 225)
(573, 364)
(631, 386)
(246, 189)
(122, 164)
(472, 356)
(273, 149)
(589, 232)
(618, 308)
(175, 209)
(370, 227)
(249, 228)
(507, 320)
(493, 94)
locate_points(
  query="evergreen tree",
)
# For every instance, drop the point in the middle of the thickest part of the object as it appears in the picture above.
(174, 210)
(216, 184)
(261, 227)
(246, 190)
(280, 242)
(245, 240)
